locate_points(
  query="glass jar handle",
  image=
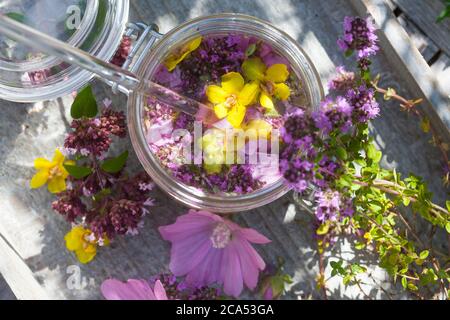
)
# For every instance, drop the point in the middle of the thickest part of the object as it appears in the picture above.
(146, 36)
(305, 200)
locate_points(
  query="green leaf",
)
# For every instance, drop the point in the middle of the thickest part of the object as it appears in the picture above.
(360, 245)
(447, 204)
(356, 268)
(406, 201)
(373, 153)
(447, 227)
(250, 50)
(348, 53)
(78, 172)
(277, 283)
(341, 153)
(84, 104)
(444, 14)
(16, 16)
(347, 279)
(412, 286)
(114, 165)
(404, 282)
(424, 254)
(389, 93)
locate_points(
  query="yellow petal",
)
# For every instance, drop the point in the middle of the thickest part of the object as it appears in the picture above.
(58, 157)
(175, 58)
(85, 257)
(41, 163)
(39, 179)
(220, 110)
(282, 91)
(56, 185)
(236, 115)
(90, 248)
(254, 68)
(232, 82)
(194, 44)
(249, 93)
(212, 168)
(277, 73)
(216, 94)
(74, 238)
(171, 62)
(261, 128)
(266, 101)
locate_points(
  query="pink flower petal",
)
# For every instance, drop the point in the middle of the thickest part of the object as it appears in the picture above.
(113, 289)
(185, 226)
(234, 264)
(159, 291)
(187, 255)
(259, 262)
(249, 269)
(199, 275)
(231, 273)
(254, 236)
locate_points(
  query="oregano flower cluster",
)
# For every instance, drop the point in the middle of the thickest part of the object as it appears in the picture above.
(100, 195)
(330, 152)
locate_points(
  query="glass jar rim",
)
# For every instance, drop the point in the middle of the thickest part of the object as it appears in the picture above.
(72, 78)
(189, 195)
(75, 40)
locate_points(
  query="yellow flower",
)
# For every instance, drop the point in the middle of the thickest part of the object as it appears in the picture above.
(271, 81)
(258, 128)
(213, 146)
(52, 172)
(179, 54)
(83, 242)
(232, 97)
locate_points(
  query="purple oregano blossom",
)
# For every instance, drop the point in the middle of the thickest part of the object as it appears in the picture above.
(359, 35)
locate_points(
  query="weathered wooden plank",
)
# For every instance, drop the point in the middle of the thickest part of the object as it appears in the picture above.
(409, 63)
(441, 68)
(18, 276)
(422, 42)
(391, 4)
(424, 14)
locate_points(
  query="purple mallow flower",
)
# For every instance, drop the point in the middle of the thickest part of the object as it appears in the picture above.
(359, 35)
(209, 249)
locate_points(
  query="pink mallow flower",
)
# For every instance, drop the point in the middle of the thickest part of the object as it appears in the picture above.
(133, 289)
(210, 249)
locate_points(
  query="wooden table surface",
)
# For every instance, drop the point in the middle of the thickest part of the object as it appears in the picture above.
(35, 234)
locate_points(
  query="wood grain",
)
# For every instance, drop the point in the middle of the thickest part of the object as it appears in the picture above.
(28, 131)
(424, 14)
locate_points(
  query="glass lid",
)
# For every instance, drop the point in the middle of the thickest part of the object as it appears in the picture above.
(95, 26)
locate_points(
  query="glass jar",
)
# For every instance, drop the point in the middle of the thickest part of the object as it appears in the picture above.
(221, 24)
(95, 26)
(99, 32)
